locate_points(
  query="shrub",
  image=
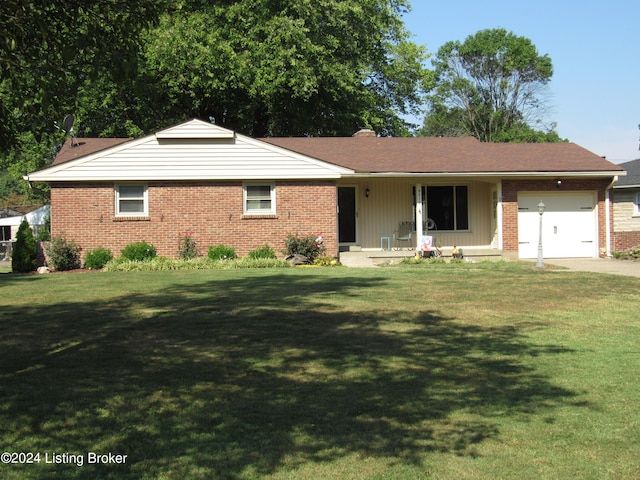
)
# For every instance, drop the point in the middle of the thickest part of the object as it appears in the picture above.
(187, 248)
(63, 254)
(96, 259)
(221, 252)
(160, 263)
(327, 262)
(262, 252)
(139, 251)
(24, 255)
(44, 233)
(308, 246)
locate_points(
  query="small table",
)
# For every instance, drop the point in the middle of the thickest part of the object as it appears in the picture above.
(385, 239)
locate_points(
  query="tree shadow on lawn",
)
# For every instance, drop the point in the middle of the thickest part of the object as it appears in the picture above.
(234, 378)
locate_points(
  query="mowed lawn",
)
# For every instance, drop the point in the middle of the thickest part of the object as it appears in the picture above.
(482, 371)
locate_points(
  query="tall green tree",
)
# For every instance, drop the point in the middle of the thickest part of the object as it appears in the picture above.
(25, 253)
(291, 67)
(285, 67)
(50, 48)
(492, 87)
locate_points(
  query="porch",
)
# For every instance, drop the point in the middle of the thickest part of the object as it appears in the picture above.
(390, 213)
(356, 257)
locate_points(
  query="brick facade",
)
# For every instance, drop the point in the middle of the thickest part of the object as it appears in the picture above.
(626, 241)
(626, 224)
(213, 211)
(510, 189)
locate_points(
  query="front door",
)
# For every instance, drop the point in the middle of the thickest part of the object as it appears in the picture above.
(347, 214)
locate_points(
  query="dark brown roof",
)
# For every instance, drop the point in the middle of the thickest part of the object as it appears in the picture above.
(445, 155)
(633, 174)
(79, 147)
(411, 155)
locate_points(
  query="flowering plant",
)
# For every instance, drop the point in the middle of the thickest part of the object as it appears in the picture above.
(310, 246)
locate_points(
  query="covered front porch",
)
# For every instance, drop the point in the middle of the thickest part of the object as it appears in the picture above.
(392, 214)
(379, 258)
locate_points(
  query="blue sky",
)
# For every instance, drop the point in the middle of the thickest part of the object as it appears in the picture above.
(594, 47)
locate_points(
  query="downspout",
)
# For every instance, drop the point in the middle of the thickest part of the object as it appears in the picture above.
(499, 215)
(607, 206)
(418, 218)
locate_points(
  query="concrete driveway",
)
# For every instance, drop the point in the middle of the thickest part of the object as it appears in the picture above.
(598, 265)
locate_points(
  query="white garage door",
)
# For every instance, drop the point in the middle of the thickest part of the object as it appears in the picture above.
(569, 225)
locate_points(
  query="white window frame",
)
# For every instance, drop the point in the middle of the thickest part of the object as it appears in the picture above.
(144, 197)
(271, 198)
(636, 209)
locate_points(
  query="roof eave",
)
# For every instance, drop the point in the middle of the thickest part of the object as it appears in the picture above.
(146, 178)
(564, 174)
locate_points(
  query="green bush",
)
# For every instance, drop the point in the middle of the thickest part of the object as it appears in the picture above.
(44, 233)
(96, 259)
(262, 252)
(327, 262)
(24, 255)
(308, 246)
(200, 263)
(139, 251)
(187, 248)
(221, 252)
(63, 254)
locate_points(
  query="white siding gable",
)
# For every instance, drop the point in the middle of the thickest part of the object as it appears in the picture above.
(194, 150)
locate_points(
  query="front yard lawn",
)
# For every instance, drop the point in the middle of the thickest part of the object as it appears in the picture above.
(468, 371)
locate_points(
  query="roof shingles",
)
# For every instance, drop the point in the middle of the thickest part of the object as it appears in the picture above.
(79, 147)
(411, 155)
(445, 155)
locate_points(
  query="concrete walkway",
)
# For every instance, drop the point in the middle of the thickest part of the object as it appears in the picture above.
(598, 265)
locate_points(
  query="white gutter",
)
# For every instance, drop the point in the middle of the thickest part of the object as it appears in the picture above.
(607, 214)
(578, 174)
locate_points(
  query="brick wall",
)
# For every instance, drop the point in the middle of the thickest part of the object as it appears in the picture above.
(625, 241)
(212, 211)
(510, 189)
(626, 223)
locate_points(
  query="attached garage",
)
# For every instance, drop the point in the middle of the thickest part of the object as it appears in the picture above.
(569, 224)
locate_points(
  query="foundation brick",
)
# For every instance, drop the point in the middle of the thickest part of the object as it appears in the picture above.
(212, 211)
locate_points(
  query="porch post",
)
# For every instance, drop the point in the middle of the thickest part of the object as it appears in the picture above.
(499, 214)
(418, 215)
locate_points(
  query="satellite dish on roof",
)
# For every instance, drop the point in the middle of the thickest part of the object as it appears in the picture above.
(67, 123)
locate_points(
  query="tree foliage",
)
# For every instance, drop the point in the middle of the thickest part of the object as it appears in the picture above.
(286, 67)
(50, 48)
(490, 86)
(25, 253)
(292, 67)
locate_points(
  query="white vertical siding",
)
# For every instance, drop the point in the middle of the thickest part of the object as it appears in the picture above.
(390, 202)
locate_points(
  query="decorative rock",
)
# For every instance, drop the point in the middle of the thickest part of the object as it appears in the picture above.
(297, 259)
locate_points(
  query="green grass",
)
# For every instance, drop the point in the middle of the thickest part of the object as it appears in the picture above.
(483, 371)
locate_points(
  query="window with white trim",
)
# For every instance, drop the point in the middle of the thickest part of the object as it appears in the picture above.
(637, 207)
(131, 200)
(259, 199)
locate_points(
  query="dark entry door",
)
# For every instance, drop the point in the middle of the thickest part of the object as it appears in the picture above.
(347, 214)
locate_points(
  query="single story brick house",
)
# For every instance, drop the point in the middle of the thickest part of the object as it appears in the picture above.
(626, 208)
(356, 191)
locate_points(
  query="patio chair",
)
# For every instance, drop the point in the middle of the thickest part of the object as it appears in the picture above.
(405, 233)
